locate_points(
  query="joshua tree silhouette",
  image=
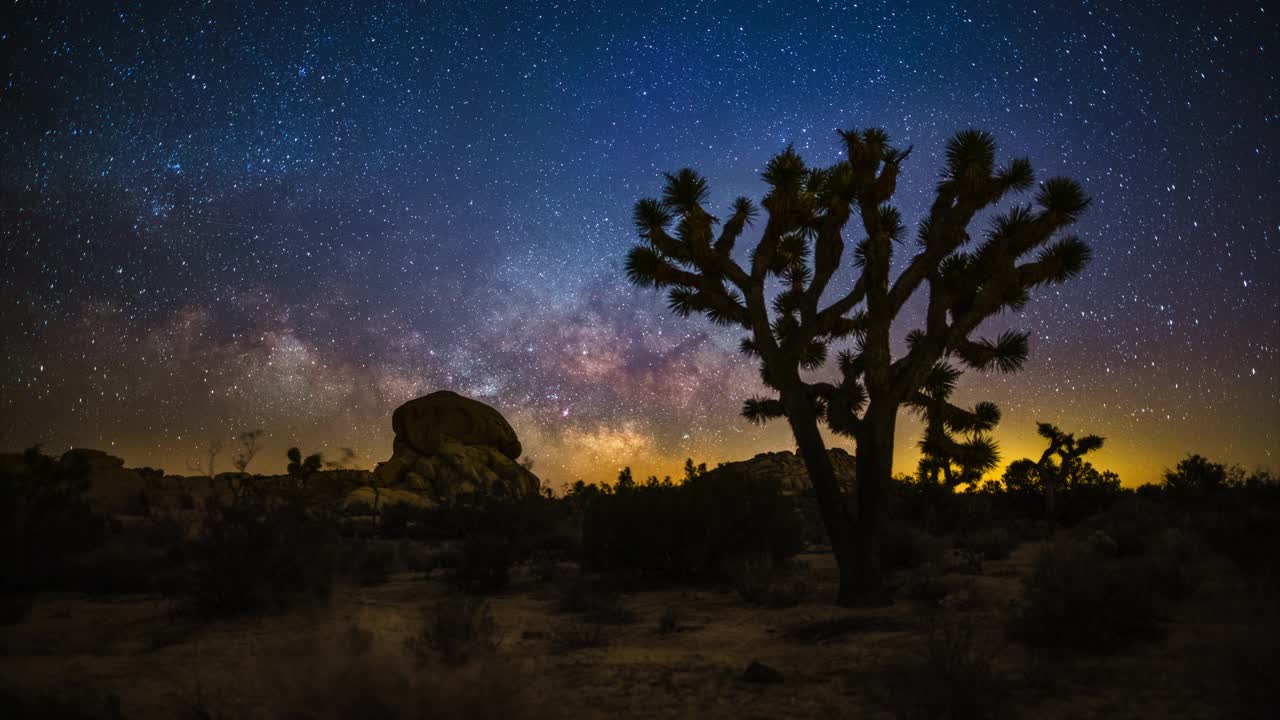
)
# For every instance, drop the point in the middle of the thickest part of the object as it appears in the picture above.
(959, 461)
(778, 297)
(1069, 451)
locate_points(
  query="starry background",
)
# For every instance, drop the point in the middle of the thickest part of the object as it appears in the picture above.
(295, 216)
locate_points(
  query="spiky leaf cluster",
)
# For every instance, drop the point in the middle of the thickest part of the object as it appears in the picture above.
(1066, 447)
(956, 442)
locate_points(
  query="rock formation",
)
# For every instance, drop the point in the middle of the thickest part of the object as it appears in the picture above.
(789, 468)
(113, 488)
(448, 445)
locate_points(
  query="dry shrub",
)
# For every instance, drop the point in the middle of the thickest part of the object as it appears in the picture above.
(761, 581)
(903, 546)
(951, 675)
(594, 599)
(455, 629)
(487, 558)
(1075, 598)
(371, 562)
(572, 636)
(260, 556)
(992, 543)
(1244, 666)
(356, 674)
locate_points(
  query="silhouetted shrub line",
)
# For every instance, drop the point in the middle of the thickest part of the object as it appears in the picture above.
(688, 532)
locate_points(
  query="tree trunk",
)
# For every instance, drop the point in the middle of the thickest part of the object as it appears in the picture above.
(831, 503)
(875, 471)
(1051, 483)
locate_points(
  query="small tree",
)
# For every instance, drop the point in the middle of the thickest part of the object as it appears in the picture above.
(778, 297)
(300, 468)
(249, 446)
(693, 472)
(209, 467)
(1022, 476)
(1195, 474)
(1068, 451)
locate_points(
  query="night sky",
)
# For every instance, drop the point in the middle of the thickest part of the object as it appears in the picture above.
(295, 216)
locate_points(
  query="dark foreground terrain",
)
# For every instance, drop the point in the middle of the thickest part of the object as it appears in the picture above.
(667, 653)
(708, 598)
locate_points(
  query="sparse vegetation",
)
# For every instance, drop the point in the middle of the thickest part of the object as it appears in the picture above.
(689, 531)
(595, 599)
(571, 636)
(456, 630)
(1075, 598)
(992, 543)
(1126, 563)
(259, 556)
(44, 519)
(761, 581)
(951, 675)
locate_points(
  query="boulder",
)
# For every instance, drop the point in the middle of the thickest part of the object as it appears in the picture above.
(447, 445)
(760, 674)
(789, 468)
(113, 488)
(427, 422)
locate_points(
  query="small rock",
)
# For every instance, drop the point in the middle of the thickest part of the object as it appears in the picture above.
(761, 674)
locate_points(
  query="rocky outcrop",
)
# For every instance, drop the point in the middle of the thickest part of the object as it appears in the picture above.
(789, 468)
(113, 488)
(447, 445)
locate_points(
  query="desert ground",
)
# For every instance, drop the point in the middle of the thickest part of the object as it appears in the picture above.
(677, 652)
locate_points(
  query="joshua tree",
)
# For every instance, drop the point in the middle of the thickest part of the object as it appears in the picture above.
(248, 450)
(300, 468)
(1069, 450)
(209, 468)
(960, 461)
(778, 297)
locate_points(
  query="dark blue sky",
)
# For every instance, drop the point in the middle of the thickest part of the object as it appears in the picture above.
(294, 216)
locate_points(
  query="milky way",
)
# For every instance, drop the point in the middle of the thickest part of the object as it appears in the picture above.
(295, 216)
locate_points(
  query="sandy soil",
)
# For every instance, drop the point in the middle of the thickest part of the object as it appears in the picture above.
(161, 665)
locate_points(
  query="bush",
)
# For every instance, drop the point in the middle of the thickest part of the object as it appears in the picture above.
(1131, 523)
(260, 556)
(595, 599)
(486, 563)
(689, 531)
(370, 562)
(1075, 599)
(760, 581)
(951, 677)
(120, 568)
(1245, 530)
(456, 629)
(369, 678)
(44, 518)
(577, 636)
(902, 546)
(993, 543)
